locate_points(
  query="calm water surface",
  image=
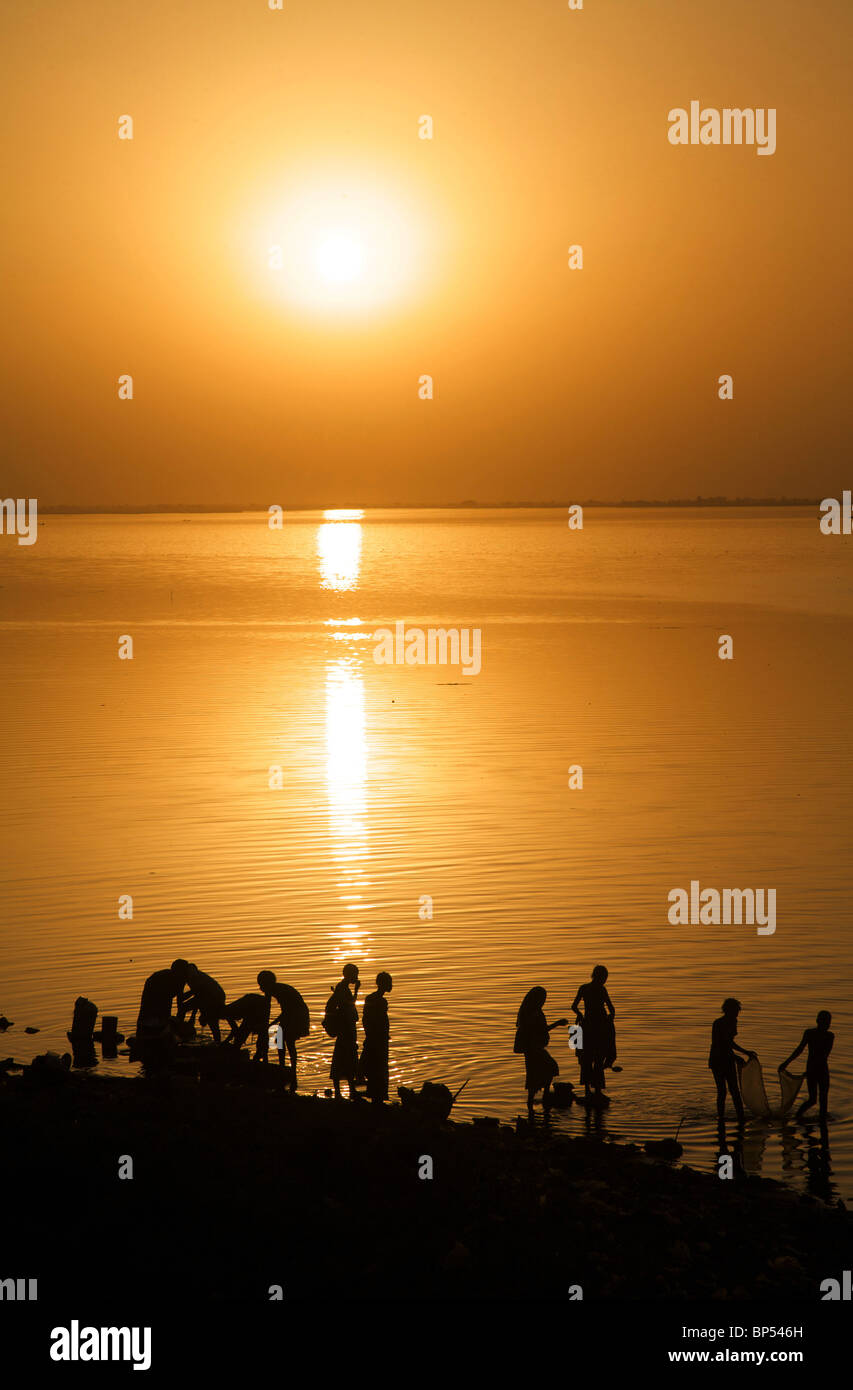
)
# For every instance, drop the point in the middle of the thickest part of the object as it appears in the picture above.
(252, 649)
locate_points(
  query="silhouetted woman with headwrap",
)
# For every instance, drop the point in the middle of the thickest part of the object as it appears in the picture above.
(531, 1039)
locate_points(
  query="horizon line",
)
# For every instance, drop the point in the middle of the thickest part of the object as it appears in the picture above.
(470, 504)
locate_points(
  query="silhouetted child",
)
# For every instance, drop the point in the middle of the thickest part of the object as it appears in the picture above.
(206, 997)
(722, 1061)
(293, 1021)
(247, 1015)
(155, 1006)
(342, 1016)
(532, 1035)
(377, 1033)
(598, 1049)
(819, 1042)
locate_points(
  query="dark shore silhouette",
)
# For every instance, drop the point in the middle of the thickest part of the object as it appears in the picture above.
(275, 1187)
(270, 1188)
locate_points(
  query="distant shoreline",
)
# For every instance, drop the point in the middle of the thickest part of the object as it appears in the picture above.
(151, 509)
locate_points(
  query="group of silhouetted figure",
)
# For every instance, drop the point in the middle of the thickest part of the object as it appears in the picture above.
(816, 1043)
(596, 1040)
(198, 994)
(595, 1046)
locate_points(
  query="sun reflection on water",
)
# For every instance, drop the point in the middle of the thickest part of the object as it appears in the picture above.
(346, 788)
(339, 557)
(339, 550)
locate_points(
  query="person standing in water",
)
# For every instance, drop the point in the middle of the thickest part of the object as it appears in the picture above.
(374, 1054)
(722, 1060)
(532, 1035)
(598, 1048)
(293, 1021)
(155, 1007)
(341, 1022)
(247, 1015)
(206, 998)
(819, 1042)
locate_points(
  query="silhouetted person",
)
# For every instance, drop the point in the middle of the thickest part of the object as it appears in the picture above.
(819, 1042)
(155, 1006)
(599, 1036)
(532, 1035)
(206, 998)
(722, 1061)
(293, 1019)
(341, 1007)
(247, 1015)
(377, 1033)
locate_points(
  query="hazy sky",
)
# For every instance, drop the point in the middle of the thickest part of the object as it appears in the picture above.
(404, 257)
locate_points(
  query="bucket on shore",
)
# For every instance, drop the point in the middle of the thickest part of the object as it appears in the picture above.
(663, 1148)
(434, 1100)
(669, 1149)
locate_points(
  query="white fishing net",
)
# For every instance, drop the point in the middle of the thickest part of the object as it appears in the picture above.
(754, 1091)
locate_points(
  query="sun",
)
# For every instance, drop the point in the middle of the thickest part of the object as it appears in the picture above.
(338, 258)
(341, 246)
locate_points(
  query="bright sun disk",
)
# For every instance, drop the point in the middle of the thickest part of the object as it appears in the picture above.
(338, 258)
(340, 246)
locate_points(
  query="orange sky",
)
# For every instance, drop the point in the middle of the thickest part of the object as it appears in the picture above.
(149, 256)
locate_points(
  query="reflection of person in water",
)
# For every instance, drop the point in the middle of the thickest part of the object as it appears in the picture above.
(722, 1060)
(531, 1039)
(819, 1042)
(598, 1049)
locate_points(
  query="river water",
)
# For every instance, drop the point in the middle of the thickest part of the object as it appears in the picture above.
(404, 790)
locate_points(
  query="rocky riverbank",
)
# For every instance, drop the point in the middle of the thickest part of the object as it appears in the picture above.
(238, 1188)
